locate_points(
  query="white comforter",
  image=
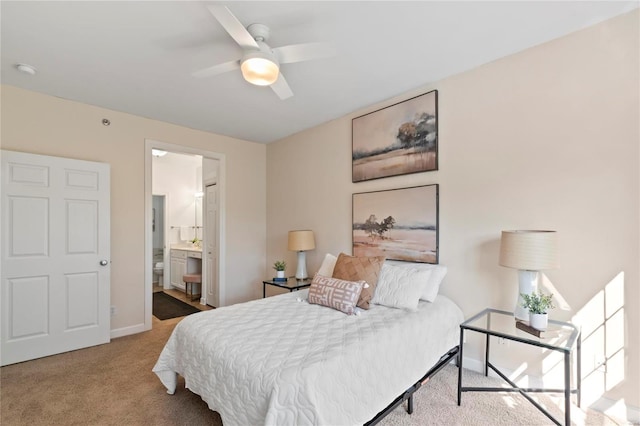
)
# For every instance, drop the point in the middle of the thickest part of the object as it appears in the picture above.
(281, 361)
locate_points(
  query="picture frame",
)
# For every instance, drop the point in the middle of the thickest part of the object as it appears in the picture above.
(400, 224)
(396, 140)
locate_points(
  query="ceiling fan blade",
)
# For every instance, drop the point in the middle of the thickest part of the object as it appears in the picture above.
(303, 52)
(281, 87)
(234, 27)
(218, 69)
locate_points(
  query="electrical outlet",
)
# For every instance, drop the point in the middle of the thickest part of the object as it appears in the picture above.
(113, 310)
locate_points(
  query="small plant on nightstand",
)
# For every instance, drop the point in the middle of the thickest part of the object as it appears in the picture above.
(538, 305)
(280, 266)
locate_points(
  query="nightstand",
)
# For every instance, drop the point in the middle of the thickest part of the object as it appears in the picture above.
(560, 336)
(291, 284)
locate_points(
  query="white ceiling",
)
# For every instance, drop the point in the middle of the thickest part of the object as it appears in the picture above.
(138, 56)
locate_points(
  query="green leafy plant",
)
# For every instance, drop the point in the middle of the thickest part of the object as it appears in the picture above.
(537, 303)
(280, 265)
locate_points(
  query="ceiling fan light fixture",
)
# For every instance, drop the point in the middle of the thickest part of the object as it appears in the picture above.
(259, 68)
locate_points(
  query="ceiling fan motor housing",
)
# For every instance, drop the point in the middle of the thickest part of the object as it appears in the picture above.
(259, 32)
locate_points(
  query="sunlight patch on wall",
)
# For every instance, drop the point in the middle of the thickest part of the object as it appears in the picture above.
(553, 369)
(603, 337)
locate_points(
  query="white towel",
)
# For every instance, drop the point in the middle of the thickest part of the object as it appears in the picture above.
(186, 233)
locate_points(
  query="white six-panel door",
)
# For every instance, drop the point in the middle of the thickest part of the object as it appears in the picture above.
(55, 279)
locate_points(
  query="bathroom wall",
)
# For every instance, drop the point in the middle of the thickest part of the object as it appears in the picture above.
(175, 176)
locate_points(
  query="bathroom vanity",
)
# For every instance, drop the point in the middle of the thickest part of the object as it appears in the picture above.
(184, 260)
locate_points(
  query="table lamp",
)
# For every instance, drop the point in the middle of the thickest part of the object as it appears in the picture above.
(301, 241)
(528, 252)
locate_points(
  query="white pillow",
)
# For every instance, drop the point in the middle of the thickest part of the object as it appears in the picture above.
(433, 287)
(400, 287)
(328, 264)
(438, 273)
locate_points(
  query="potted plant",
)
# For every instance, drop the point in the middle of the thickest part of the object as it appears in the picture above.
(538, 304)
(280, 266)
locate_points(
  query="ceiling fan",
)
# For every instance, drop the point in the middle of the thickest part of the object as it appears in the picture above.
(260, 64)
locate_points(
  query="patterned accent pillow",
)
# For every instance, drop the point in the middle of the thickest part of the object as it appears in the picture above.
(351, 268)
(334, 293)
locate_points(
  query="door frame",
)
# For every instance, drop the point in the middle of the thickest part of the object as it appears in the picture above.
(150, 144)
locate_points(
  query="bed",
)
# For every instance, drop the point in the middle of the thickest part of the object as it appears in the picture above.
(284, 361)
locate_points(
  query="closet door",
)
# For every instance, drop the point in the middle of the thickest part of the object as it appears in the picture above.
(55, 280)
(211, 247)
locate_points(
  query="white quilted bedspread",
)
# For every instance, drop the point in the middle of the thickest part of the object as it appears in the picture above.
(280, 361)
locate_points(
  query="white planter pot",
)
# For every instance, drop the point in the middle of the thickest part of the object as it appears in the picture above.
(279, 274)
(538, 321)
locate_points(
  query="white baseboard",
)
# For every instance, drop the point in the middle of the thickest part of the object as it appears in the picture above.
(125, 331)
(478, 366)
(617, 410)
(473, 364)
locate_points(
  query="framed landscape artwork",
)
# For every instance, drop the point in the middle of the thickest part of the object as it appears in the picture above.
(396, 140)
(401, 224)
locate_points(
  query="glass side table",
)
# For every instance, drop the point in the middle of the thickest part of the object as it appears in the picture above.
(290, 284)
(560, 336)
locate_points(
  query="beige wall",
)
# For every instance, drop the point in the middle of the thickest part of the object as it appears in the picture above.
(41, 124)
(544, 139)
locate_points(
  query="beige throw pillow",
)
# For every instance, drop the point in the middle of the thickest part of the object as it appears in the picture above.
(351, 268)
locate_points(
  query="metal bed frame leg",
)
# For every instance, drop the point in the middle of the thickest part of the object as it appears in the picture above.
(579, 368)
(567, 388)
(460, 365)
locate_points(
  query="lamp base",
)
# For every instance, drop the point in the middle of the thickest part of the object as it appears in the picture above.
(527, 284)
(301, 272)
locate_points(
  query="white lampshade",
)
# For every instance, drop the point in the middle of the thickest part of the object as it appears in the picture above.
(259, 68)
(301, 240)
(529, 250)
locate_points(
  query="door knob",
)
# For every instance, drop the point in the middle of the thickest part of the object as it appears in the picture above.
(104, 263)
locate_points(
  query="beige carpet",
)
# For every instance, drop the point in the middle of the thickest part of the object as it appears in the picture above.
(113, 385)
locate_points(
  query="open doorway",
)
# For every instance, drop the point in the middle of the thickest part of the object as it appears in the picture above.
(207, 171)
